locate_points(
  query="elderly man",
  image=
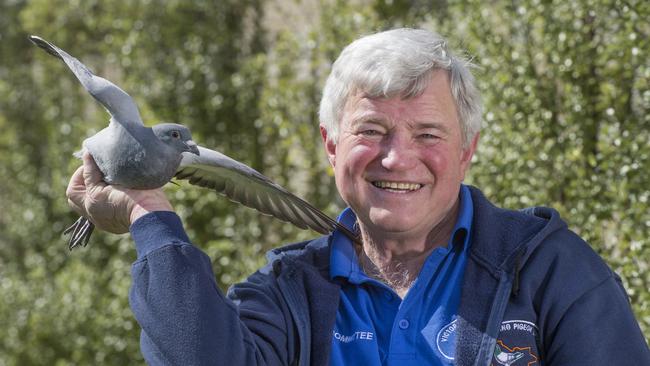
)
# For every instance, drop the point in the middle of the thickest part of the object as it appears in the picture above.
(441, 277)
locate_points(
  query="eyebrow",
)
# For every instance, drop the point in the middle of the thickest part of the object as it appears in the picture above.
(367, 118)
(428, 124)
(380, 120)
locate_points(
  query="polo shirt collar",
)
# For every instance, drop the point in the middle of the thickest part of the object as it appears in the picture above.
(343, 258)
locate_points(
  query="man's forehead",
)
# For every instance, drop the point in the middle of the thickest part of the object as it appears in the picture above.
(363, 103)
(420, 109)
(361, 116)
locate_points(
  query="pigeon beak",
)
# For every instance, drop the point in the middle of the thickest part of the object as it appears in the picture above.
(192, 147)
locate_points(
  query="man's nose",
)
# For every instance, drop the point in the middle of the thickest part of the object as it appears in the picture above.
(399, 153)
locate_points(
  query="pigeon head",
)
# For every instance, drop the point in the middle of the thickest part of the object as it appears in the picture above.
(176, 136)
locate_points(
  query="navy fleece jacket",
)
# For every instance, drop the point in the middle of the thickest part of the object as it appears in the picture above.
(532, 290)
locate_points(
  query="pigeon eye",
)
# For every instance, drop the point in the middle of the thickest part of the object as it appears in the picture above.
(176, 134)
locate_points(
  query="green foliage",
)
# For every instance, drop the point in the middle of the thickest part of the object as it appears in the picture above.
(566, 89)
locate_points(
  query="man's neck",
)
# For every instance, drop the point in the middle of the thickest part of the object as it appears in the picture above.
(397, 260)
(398, 272)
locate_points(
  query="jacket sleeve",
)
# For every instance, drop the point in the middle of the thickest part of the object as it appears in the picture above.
(185, 318)
(589, 320)
(599, 328)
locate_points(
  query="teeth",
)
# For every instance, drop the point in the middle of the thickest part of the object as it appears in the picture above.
(398, 186)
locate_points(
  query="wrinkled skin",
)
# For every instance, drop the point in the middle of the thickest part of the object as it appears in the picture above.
(111, 208)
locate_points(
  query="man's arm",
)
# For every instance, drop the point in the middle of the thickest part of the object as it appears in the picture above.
(185, 318)
(584, 314)
(599, 328)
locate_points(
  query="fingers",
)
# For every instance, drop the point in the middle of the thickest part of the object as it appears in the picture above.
(76, 182)
(76, 191)
(92, 176)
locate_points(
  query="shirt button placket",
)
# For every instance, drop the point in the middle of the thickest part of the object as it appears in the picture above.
(403, 324)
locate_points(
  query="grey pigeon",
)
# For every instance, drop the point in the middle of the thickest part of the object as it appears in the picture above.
(134, 156)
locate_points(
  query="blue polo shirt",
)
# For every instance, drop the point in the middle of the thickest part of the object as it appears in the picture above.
(375, 327)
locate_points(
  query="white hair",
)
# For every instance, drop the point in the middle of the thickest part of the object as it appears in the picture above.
(399, 62)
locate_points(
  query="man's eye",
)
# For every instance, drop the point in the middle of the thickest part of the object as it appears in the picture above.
(428, 136)
(370, 133)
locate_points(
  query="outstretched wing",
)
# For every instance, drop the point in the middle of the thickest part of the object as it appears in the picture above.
(245, 185)
(116, 101)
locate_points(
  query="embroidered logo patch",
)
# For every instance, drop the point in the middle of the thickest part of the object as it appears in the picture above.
(517, 344)
(441, 340)
(507, 356)
(446, 340)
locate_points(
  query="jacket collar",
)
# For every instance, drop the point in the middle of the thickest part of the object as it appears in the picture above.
(502, 240)
(499, 236)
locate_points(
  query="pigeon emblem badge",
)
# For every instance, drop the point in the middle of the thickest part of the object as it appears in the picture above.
(516, 344)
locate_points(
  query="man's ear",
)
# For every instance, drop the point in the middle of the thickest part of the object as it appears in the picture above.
(330, 145)
(468, 152)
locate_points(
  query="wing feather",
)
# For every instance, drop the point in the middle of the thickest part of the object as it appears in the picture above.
(116, 101)
(243, 184)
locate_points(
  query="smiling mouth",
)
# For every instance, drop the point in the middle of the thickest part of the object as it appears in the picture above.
(397, 186)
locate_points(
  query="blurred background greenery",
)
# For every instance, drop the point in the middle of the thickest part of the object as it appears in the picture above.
(567, 124)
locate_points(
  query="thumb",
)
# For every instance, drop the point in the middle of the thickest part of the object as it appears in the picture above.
(91, 173)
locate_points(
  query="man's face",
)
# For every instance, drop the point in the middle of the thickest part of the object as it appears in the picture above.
(399, 163)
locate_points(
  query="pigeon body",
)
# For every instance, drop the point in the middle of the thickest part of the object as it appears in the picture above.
(138, 157)
(127, 152)
(144, 159)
